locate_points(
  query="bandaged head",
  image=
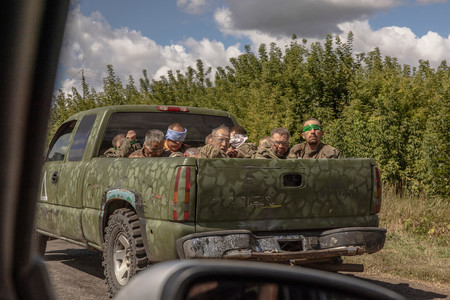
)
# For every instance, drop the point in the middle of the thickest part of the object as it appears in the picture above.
(176, 136)
(237, 140)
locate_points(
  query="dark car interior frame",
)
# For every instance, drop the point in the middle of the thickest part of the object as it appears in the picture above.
(31, 36)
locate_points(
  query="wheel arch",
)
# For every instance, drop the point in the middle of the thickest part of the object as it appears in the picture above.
(116, 198)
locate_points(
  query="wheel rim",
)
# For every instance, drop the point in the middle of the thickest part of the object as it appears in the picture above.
(121, 258)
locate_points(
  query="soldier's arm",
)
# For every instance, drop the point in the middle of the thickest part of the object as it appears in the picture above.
(125, 149)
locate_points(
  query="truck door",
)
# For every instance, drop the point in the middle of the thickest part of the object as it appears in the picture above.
(70, 182)
(47, 217)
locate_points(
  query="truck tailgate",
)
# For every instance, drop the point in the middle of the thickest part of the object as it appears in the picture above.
(268, 195)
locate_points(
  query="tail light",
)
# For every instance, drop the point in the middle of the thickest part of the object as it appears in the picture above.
(187, 193)
(378, 190)
(173, 108)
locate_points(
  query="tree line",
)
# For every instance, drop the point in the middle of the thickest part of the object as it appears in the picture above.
(369, 104)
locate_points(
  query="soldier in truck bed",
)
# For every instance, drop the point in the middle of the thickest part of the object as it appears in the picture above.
(175, 136)
(121, 147)
(219, 148)
(313, 147)
(278, 146)
(153, 146)
(208, 139)
(239, 144)
(131, 136)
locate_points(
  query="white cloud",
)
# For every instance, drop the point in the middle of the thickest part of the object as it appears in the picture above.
(194, 7)
(399, 42)
(91, 44)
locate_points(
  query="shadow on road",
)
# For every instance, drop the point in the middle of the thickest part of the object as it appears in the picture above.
(84, 260)
(405, 290)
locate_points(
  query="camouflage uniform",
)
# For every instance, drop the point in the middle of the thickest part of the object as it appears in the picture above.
(135, 146)
(211, 151)
(323, 151)
(246, 150)
(266, 151)
(140, 153)
(176, 154)
(124, 150)
(182, 148)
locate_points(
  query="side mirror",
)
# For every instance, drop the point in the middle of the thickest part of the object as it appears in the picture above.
(226, 279)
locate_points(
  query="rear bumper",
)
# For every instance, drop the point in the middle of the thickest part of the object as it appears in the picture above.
(243, 244)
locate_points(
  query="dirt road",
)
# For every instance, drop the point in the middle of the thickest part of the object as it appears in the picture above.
(77, 273)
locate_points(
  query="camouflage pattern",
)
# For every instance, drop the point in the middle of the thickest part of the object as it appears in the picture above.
(124, 150)
(176, 154)
(266, 151)
(211, 151)
(246, 150)
(174, 197)
(135, 146)
(323, 151)
(140, 153)
(182, 148)
(278, 195)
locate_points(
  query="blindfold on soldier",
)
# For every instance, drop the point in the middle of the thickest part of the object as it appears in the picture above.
(176, 136)
(311, 126)
(237, 140)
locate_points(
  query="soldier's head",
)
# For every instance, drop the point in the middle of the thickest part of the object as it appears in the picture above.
(312, 131)
(238, 136)
(264, 142)
(237, 130)
(208, 139)
(118, 140)
(221, 137)
(192, 152)
(279, 138)
(175, 136)
(154, 143)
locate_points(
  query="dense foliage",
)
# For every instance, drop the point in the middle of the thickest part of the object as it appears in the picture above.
(369, 105)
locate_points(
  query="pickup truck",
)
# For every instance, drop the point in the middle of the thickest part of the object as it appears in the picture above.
(140, 211)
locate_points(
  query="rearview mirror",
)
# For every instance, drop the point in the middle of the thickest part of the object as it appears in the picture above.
(226, 279)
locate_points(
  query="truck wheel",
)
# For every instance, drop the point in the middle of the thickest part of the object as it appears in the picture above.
(123, 250)
(40, 243)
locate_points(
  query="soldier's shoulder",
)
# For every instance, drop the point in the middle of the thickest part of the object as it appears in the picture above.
(166, 153)
(298, 147)
(177, 154)
(330, 151)
(209, 151)
(246, 150)
(296, 150)
(137, 153)
(108, 153)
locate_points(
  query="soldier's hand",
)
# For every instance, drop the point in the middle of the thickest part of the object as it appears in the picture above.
(231, 152)
(131, 135)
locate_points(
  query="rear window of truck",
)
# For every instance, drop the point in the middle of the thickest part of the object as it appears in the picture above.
(198, 126)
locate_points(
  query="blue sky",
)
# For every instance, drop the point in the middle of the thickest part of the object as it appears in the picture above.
(170, 35)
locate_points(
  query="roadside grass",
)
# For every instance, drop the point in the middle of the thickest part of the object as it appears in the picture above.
(418, 239)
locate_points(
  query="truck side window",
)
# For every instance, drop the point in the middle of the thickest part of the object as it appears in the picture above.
(81, 138)
(60, 143)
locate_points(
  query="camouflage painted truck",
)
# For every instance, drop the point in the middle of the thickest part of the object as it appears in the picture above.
(139, 211)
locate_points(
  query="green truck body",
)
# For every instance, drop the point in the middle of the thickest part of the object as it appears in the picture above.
(156, 209)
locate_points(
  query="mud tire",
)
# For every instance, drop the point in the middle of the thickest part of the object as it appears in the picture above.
(123, 250)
